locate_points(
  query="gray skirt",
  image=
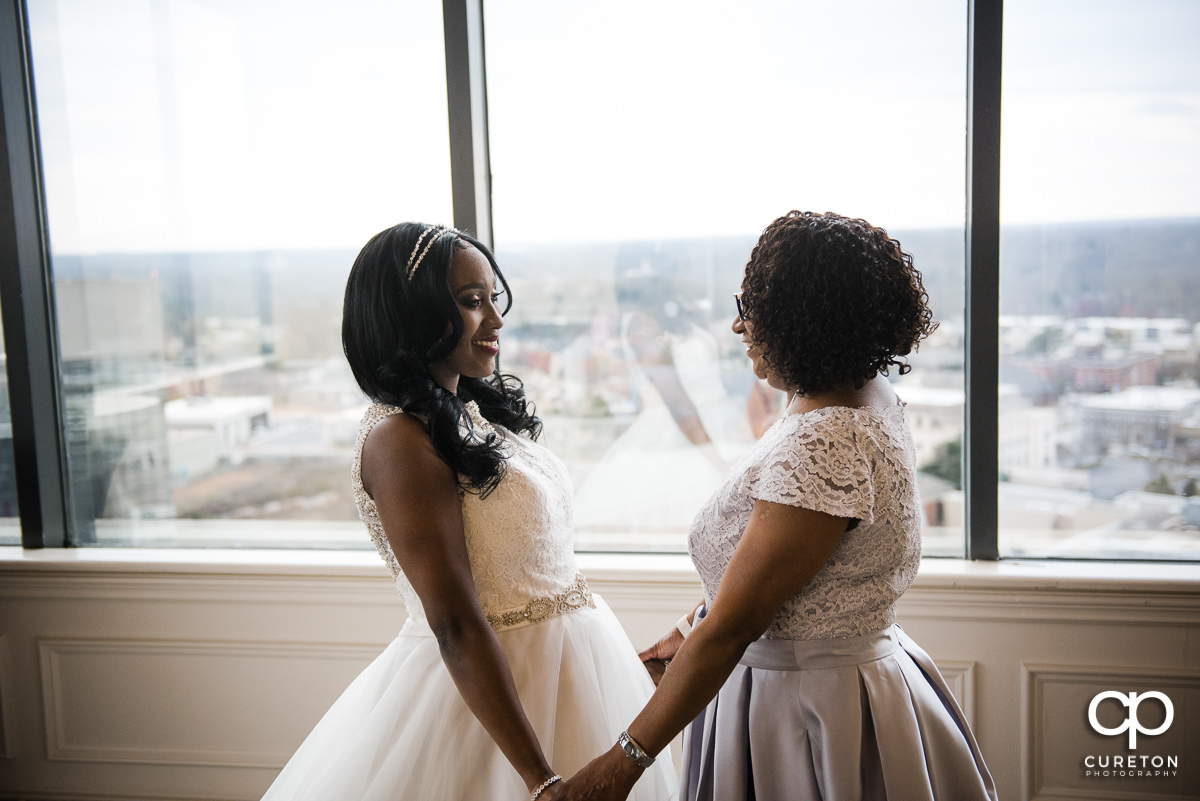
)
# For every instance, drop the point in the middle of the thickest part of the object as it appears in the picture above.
(864, 717)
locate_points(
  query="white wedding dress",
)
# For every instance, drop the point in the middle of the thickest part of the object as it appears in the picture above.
(402, 731)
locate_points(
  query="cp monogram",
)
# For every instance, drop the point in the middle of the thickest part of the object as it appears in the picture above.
(1131, 723)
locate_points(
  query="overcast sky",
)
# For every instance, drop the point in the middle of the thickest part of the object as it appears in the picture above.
(239, 124)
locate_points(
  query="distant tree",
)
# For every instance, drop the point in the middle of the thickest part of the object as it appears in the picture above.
(947, 464)
(1045, 341)
(1190, 489)
(1160, 484)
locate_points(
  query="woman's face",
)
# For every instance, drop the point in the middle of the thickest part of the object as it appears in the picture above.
(473, 284)
(762, 369)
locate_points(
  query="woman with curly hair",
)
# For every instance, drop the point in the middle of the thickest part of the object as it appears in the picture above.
(508, 667)
(793, 674)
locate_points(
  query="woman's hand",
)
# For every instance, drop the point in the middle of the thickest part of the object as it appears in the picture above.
(552, 793)
(608, 777)
(656, 657)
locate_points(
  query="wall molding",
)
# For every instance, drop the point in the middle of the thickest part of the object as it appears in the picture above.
(1116, 605)
(1039, 679)
(62, 744)
(960, 676)
(7, 729)
(1053, 606)
(184, 588)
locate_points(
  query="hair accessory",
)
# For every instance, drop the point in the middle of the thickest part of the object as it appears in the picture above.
(542, 787)
(634, 751)
(433, 232)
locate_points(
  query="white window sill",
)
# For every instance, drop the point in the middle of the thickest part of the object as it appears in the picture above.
(935, 573)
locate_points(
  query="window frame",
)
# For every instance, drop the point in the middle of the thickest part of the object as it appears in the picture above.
(27, 299)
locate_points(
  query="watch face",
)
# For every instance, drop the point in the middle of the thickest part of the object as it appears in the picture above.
(634, 751)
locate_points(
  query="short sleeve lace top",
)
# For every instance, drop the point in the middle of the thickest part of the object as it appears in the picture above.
(849, 462)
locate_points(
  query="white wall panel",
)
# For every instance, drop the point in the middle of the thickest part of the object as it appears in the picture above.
(188, 703)
(1065, 759)
(144, 677)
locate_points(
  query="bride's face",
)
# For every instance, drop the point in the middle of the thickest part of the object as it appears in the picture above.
(473, 284)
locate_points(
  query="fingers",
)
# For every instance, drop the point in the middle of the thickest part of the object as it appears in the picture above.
(656, 668)
(665, 648)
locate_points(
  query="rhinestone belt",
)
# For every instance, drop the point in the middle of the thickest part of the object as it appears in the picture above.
(575, 595)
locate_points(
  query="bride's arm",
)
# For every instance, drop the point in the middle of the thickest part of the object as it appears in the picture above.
(417, 498)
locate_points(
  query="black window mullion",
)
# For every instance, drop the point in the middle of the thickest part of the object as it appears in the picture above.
(466, 91)
(985, 20)
(28, 302)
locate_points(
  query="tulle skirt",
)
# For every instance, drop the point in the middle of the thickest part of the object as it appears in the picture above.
(401, 731)
(861, 718)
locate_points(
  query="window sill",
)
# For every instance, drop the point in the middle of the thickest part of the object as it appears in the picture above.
(612, 568)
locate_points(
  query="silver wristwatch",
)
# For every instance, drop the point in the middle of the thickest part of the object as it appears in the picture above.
(634, 751)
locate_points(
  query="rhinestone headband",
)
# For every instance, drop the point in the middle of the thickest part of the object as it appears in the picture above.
(433, 232)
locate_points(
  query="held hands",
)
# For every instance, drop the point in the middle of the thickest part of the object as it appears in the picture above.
(552, 793)
(656, 657)
(608, 777)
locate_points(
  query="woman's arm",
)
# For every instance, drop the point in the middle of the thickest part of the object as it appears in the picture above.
(781, 551)
(417, 498)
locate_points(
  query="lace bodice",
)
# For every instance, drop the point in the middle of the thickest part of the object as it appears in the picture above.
(519, 538)
(847, 462)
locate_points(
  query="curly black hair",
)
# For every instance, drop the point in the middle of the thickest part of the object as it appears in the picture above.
(394, 327)
(833, 301)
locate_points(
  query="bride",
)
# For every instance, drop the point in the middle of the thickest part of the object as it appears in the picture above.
(509, 671)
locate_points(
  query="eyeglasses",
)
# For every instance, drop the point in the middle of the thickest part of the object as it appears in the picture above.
(737, 298)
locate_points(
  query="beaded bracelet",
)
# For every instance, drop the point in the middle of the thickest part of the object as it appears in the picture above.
(542, 787)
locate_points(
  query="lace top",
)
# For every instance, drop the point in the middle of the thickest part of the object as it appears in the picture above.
(519, 538)
(848, 462)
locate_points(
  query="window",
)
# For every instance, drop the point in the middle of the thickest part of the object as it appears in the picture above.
(10, 525)
(1100, 291)
(630, 181)
(211, 171)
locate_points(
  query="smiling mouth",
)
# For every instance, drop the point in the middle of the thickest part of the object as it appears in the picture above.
(490, 345)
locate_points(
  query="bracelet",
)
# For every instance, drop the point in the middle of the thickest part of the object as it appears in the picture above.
(634, 751)
(542, 787)
(684, 626)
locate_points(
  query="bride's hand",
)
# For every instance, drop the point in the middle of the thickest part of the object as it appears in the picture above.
(553, 793)
(656, 657)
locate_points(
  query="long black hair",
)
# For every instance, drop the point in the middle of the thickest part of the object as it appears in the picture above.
(395, 325)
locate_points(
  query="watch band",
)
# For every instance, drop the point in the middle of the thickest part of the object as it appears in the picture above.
(634, 751)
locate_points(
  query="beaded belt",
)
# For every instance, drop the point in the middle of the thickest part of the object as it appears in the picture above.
(575, 595)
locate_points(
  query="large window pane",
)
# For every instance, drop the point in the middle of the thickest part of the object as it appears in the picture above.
(637, 150)
(211, 170)
(1100, 282)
